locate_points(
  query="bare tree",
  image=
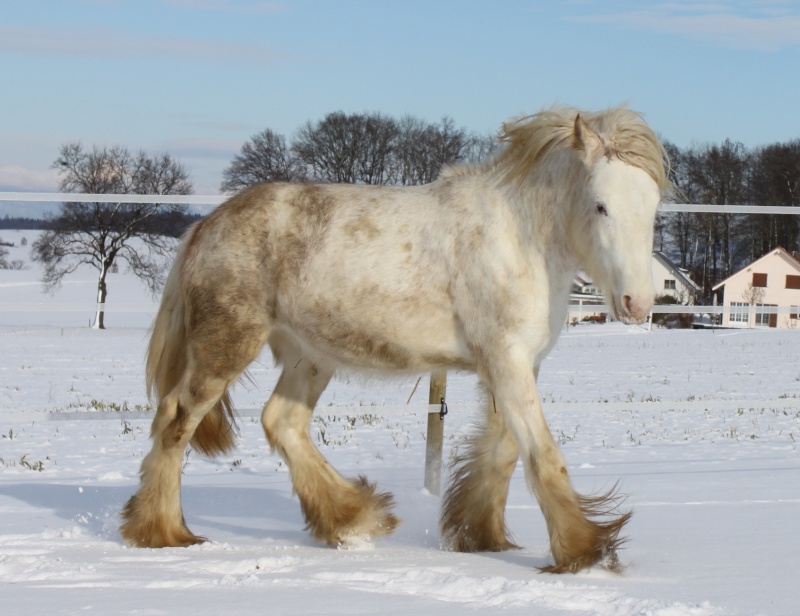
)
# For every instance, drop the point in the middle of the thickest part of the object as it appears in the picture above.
(265, 158)
(775, 180)
(753, 296)
(423, 149)
(448, 144)
(410, 163)
(327, 149)
(679, 226)
(716, 174)
(480, 147)
(376, 150)
(98, 234)
(354, 148)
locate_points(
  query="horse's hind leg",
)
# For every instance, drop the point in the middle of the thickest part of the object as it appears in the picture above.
(473, 517)
(153, 516)
(336, 510)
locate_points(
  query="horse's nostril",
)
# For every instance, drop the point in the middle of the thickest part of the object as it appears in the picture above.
(626, 303)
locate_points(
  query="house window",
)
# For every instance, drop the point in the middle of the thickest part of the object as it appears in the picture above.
(794, 311)
(759, 280)
(669, 285)
(762, 318)
(792, 282)
(740, 312)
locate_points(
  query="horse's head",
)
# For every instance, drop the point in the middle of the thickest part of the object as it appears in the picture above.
(613, 222)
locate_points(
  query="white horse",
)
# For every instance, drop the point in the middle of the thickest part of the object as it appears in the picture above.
(472, 271)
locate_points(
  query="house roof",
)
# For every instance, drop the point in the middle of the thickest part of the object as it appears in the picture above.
(676, 271)
(780, 250)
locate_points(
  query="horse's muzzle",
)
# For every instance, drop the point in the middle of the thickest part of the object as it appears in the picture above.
(634, 310)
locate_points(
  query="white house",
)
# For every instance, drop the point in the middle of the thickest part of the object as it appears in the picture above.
(669, 279)
(772, 280)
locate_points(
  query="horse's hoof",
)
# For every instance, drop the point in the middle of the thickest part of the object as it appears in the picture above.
(607, 561)
(143, 529)
(356, 542)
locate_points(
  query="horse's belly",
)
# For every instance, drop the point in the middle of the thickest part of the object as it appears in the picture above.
(393, 337)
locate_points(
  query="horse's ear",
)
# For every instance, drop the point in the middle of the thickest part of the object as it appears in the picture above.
(584, 140)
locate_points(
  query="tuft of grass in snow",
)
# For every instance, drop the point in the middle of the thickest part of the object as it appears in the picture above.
(23, 462)
(103, 406)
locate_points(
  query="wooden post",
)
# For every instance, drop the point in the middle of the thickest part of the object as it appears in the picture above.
(435, 438)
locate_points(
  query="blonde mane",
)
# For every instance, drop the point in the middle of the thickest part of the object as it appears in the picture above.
(623, 132)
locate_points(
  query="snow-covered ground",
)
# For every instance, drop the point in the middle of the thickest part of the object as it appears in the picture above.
(701, 428)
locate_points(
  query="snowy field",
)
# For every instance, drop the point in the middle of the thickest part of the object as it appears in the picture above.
(701, 428)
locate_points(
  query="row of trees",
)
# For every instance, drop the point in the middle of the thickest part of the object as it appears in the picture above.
(357, 149)
(714, 246)
(377, 149)
(21, 222)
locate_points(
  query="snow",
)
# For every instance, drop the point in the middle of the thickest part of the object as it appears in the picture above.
(701, 429)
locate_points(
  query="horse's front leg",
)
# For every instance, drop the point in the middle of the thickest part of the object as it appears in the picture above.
(577, 540)
(473, 509)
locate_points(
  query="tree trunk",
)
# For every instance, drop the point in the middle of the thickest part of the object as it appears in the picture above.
(99, 317)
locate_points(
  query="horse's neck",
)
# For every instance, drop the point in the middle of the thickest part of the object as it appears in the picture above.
(542, 219)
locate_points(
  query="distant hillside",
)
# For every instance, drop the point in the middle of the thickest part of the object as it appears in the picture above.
(25, 222)
(21, 222)
(34, 210)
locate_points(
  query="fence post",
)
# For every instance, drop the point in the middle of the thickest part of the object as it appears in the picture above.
(435, 438)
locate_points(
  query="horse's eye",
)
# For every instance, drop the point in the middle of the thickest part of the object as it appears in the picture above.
(601, 209)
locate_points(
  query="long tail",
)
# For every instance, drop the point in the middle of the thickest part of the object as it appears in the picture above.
(167, 360)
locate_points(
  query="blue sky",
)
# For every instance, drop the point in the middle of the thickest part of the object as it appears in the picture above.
(197, 78)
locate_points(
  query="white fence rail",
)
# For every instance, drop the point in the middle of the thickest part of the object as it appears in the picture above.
(729, 209)
(573, 309)
(217, 199)
(681, 309)
(82, 307)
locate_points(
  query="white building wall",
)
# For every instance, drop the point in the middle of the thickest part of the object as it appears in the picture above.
(777, 265)
(662, 274)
